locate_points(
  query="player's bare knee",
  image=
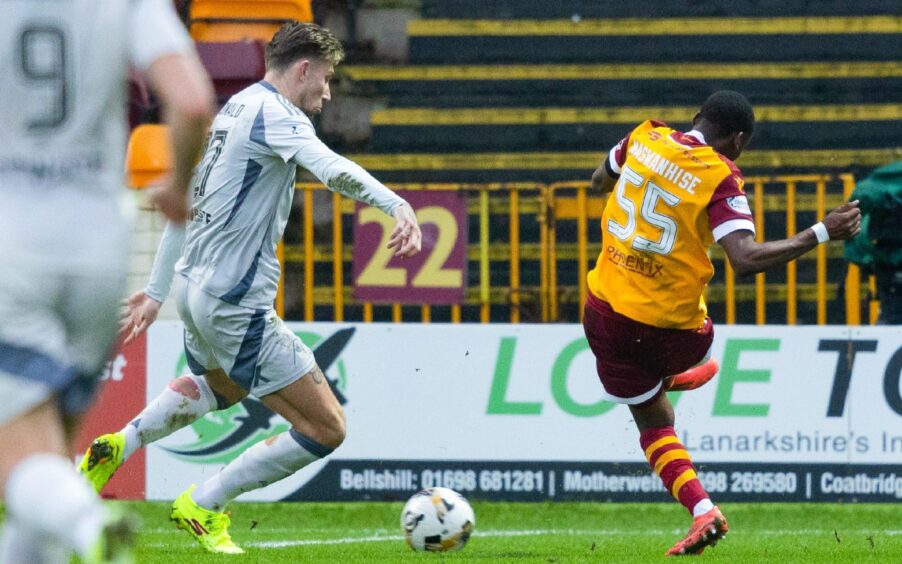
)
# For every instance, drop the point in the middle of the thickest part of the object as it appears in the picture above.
(185, 386)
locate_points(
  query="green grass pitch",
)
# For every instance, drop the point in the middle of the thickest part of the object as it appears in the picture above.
(348, 533)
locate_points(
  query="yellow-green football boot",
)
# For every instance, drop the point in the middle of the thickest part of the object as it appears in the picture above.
(209, 528)
(102, 459)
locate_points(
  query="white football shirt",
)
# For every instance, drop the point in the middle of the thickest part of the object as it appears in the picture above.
(242, 191)
(62, 120)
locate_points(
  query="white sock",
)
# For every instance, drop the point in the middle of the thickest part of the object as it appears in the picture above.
(183, 402)
(46, 496)
(264, 463)
(702, 507)
(19, 544)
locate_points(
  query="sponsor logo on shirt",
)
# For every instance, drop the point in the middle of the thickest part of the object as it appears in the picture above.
(739, 204)
(201, 216)
(646, 266)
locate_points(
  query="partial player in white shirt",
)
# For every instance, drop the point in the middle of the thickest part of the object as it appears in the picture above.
(65, 229)
(226, 279)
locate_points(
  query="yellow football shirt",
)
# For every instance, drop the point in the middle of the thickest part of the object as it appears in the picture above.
(674, 198)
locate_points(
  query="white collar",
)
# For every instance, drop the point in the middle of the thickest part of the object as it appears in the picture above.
(698, 136)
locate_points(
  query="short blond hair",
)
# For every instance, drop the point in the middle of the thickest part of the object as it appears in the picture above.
(299, 40)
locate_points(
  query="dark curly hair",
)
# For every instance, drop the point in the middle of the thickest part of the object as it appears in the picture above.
(298, 40)
(729, 112)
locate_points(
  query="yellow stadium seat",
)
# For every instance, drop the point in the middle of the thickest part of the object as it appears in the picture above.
(230, 32)
(252, 10)
(237, 20)
(149, 155)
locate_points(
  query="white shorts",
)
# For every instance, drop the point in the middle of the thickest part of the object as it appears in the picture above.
(252, 346)
(57, 327)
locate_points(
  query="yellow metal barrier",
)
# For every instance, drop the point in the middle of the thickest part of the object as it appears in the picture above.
(760, 311)
(791, 281)
(545, 246)
(516, 200)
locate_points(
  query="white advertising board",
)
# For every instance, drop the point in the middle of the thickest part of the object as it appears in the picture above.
(515, 412)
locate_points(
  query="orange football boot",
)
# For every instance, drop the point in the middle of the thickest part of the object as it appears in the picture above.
(706, 530)
(695, 377)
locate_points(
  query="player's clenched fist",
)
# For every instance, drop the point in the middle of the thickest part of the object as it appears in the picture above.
(844, 222)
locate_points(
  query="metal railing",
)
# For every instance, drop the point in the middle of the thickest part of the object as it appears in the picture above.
(514, 201)
(542, 232)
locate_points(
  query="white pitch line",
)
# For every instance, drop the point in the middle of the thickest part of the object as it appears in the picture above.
(561, 532)
(381, 538)
(541, 532)
(398, 538)
(346, 540)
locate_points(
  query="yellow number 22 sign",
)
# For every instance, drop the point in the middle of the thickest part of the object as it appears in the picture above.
(437, 275)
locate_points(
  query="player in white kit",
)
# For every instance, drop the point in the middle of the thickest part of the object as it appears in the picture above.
(226, 282)
(65, 227)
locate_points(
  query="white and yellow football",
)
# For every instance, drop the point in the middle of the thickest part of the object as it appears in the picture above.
(437, 520)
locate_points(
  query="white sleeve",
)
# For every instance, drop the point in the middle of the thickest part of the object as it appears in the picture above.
(155, 31)
(340, 174)
(168, 254)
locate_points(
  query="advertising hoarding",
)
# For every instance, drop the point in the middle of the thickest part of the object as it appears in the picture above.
(515, 412)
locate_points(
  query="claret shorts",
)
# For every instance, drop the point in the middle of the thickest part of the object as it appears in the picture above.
(633, 358)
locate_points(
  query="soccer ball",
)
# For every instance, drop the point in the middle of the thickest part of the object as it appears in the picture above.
(436, 520)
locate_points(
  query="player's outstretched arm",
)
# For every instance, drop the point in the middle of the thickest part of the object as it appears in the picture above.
(748, 256)
(350, 179)
(143, 307)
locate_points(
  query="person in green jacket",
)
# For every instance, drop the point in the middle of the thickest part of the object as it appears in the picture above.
(878, 248)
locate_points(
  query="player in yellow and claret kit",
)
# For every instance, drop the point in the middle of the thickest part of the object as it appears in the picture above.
(675, 194)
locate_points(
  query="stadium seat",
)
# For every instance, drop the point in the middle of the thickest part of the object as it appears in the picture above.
(149, 155)
(235, 20)
(232, 66)
(227, 32)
